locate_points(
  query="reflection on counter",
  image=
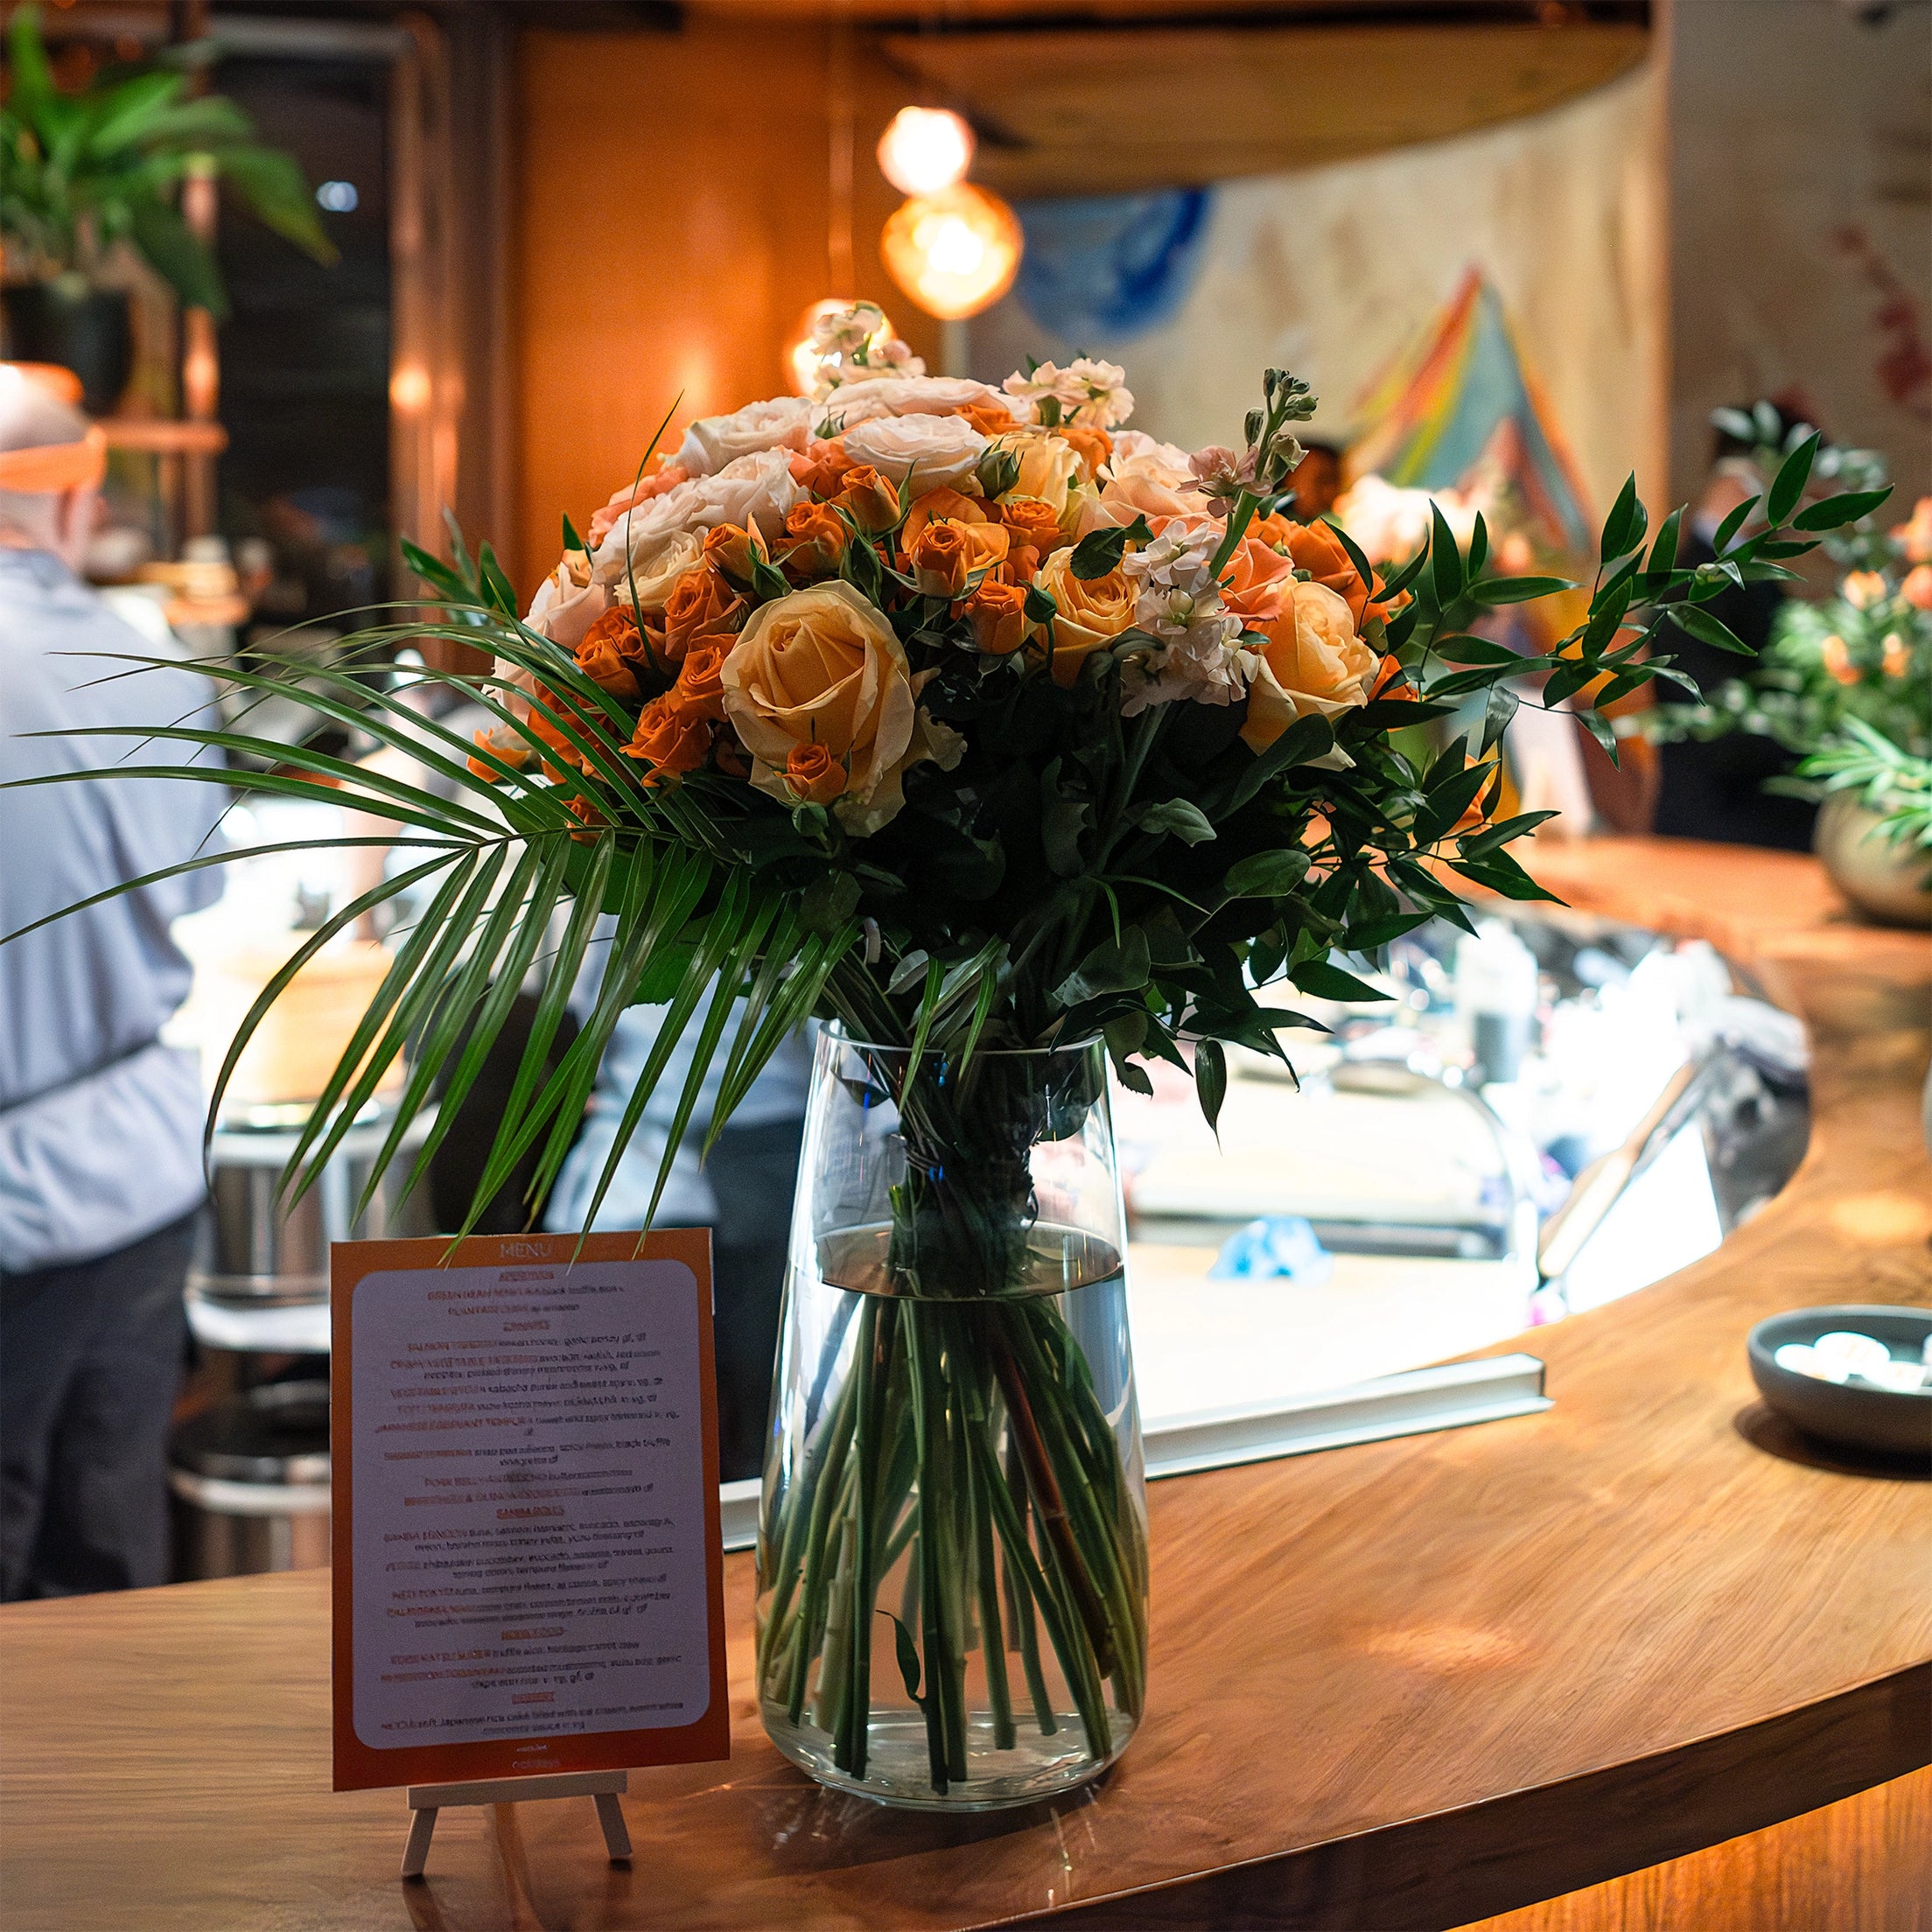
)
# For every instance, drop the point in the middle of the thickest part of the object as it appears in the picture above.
(1545, 1115)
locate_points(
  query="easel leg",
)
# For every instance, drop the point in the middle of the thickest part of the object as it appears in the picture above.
(617, 1837)
(415, 1852)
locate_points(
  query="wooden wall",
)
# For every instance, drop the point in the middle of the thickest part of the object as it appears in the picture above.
(670, 225)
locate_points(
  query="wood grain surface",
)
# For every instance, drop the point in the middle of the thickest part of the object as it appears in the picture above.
(1402, 1685)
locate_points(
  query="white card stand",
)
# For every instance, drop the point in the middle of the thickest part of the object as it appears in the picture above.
(426, 1800)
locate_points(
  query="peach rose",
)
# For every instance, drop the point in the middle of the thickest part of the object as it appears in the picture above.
(1094, 448)
(669, 739)
(1093, 612)
(997, 613)
(703, 609)
(1049, 467)
(813, 543)
(1917, 588)
(1258, 582)
(868, 499)
(1312, 662)
(1144, 484)
(820, 466)
(1316, 549)
(823, 667)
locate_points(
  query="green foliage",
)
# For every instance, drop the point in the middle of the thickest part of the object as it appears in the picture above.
(81, 172)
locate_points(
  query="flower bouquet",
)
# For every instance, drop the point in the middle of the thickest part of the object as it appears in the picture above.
(1013, 744)
(1846, 682)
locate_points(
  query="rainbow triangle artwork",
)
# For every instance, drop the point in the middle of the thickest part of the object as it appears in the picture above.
(1462, 409)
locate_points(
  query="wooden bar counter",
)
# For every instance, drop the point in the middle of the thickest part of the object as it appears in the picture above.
(1402, 1685)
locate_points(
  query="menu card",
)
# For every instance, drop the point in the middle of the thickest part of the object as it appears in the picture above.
(528, 1562)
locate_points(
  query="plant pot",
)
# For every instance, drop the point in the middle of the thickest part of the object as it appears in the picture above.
(87, 330)
(953, 1539)
(1886, 882)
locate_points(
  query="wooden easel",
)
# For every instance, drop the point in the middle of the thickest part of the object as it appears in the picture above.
(426, 1800)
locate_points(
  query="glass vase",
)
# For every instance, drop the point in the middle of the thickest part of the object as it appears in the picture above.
(952, 1556)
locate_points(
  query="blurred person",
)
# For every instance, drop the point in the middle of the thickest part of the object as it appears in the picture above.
(1316, 481)
(99, 1124)
(1715, 789)
(742, 1192)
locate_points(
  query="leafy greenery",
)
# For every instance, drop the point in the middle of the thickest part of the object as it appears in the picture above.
(81, 172)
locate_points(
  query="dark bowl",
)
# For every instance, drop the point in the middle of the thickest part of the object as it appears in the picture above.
(1853, 1414)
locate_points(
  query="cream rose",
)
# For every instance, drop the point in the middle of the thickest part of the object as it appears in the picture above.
(1092, 612)
(1312, 662)
(935, 452)
(711, 443)
(656, 567)
(864, 401)
(1049, 467)
(563, 611)
(822, 669)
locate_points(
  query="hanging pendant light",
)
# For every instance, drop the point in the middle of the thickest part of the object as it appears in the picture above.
(925, 150)
(956, 251)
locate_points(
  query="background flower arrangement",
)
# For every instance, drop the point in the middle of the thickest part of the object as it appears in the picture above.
(1845, 681)
(1014, 742)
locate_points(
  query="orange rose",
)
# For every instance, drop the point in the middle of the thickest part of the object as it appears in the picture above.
(1389, 682)
(1033, 522)
(820, 466)
(868, 499)
(548, 714)
(990, 419)
(1312, 662)
(1917, 588)
(668, 738)
(1837, 660)
(1093, 612)
(1259, 580)
(515, 756)
(813, 543)
(703, 609)
(997, 613)
(939, 561)
(1094, 448)
(586, 815)
(1316, 549)
(733, 549)
(700, 687)
(943, 502)
(814, 775)
(601, 656)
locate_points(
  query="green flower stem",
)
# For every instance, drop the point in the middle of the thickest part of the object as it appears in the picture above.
(1019, 1609)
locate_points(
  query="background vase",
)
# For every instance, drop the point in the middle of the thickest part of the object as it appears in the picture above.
(953, 1545)
(83, 329)
(1886, 882)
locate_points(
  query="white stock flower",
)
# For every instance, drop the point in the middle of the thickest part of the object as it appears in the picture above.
(934, 452)
(1179, 603)
(1091, 394)
(845, 330)
(711, 443)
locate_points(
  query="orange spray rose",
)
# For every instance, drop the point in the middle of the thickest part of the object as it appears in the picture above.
(670, 739)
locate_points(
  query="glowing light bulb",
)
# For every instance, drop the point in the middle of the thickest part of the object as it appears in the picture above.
(955, 252)
(925, 151)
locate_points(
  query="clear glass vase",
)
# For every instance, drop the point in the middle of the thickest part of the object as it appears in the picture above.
(952, 1555)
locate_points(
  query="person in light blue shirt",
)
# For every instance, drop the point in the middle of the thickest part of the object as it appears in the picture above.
(99, 1124)
(742, 1192)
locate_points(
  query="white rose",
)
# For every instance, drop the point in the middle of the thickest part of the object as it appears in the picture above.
(855, 401)
(757, 488)
(655, 565)
(784, 423)
(562, 611)
(934, 452)
(1048, 467)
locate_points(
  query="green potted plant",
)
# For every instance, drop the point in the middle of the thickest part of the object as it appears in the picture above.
(86, 174)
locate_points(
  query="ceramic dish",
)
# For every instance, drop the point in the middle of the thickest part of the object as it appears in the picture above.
(1853, 1414)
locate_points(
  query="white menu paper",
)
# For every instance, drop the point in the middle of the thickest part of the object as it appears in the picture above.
(528, 1508)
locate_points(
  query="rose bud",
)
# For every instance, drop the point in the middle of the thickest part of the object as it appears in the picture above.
(868, 499)
(813, 543)
(997, 613)
(941, 559)
(814, 775)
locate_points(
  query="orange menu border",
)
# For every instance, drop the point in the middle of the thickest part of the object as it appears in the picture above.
(359, 1767)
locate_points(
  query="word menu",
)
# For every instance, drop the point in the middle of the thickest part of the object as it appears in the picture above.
(532, 1528)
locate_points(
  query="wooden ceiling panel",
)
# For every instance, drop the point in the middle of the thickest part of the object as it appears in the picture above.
(1090, 110)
